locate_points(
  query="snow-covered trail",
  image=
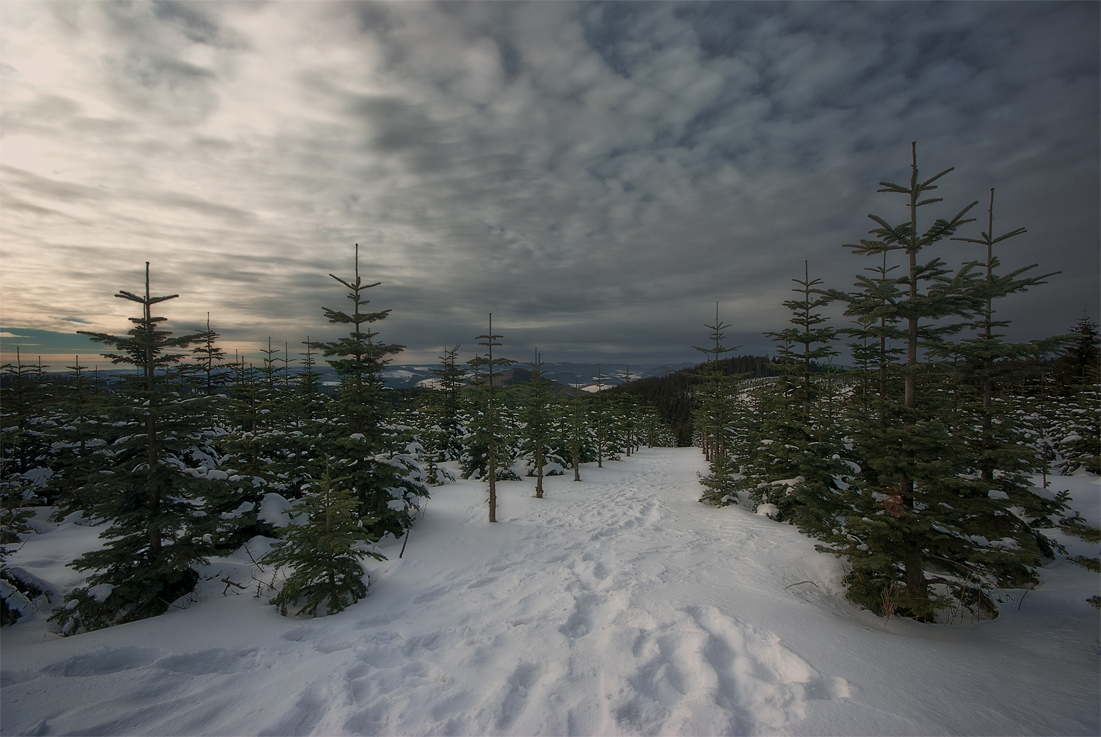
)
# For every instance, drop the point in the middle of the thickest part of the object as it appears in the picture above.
(584, 618)
(618, 605)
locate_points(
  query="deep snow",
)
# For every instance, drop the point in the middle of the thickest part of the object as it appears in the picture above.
(618, 605)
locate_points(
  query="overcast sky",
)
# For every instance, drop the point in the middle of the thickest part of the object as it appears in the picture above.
(596, 175)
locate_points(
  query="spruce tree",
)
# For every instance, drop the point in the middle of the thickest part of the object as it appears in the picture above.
(209, 355)
(808, 332)
(577, 429)
(985, 362)
(386, 490)
(151, 497)
(487, 432)
(322, 549)
(714, 415)
(22, 438)
(713, 401)
(536, 418)
(910, 463)
(599, 414)
(921, 532)
(449, 382)
(1078, 366)
(77, 438)
(804, 438)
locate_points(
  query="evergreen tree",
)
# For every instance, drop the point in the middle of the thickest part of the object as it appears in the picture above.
(387, 491)
(449, 382)
(487, 431)
(208, 355)
(579, 437)
(985, 363)
(906, 458)
(599, 415)
(77, 439)
(150, 497)
(799, 460)
(714, 416)
(807, 331)
(536, 418)
(1079, 365)
(713, 400)
(920, 533)
(22, 439)
(321, 548)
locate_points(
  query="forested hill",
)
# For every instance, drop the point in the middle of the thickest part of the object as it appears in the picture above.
(669, 394)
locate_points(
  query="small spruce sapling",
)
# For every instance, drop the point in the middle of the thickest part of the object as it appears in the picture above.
(321, 547)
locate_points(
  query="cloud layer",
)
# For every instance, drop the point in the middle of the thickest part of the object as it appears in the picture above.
(595, 175)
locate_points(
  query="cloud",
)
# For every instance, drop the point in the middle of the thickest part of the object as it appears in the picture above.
(594, 174)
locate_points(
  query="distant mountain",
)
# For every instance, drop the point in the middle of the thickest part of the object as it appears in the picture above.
(580, 375)
(407, 376)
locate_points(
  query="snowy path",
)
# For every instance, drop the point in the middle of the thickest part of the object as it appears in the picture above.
(618, 605)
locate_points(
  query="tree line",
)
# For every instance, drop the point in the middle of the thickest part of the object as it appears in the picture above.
(191, 455)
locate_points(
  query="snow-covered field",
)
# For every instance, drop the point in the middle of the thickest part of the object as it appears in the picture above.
(618, 605)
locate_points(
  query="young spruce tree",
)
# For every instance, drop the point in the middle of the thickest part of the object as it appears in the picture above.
(388, 491)
(152, 501)
(321, 547)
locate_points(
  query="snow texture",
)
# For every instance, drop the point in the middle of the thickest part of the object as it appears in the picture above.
(617, 605)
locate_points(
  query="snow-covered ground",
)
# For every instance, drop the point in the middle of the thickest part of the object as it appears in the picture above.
(618, 605)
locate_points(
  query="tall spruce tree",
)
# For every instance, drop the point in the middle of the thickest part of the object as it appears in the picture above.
(388, 493)
(487, 429)
(536, 417)
(209, 355)
(920, 533)
(714, 414)
(151, 497)
(804, 445)
(921, 299)
(986, 362)
(1078, 366)
(449, 381)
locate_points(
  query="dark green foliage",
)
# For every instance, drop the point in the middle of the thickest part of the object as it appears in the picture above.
(321, 548)
(714, 396)
(355, 438)
(81, 427)
(25, 402)
(914, 466)
(487, 426)
(947, 524)
(447, 404)
(721, 483)
(17, 501)
(808, 332)
(536, 419)
(671, 395)
(149, 489)
(206, 372)
(18, 592)
(1079, 365)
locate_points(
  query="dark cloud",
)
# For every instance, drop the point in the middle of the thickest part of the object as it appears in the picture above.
(597, 175)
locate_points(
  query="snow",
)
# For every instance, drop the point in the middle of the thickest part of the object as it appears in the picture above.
(617, 605)
(768, 510)
(275, 510)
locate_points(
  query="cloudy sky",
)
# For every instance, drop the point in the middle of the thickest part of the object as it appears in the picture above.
(596, 175)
